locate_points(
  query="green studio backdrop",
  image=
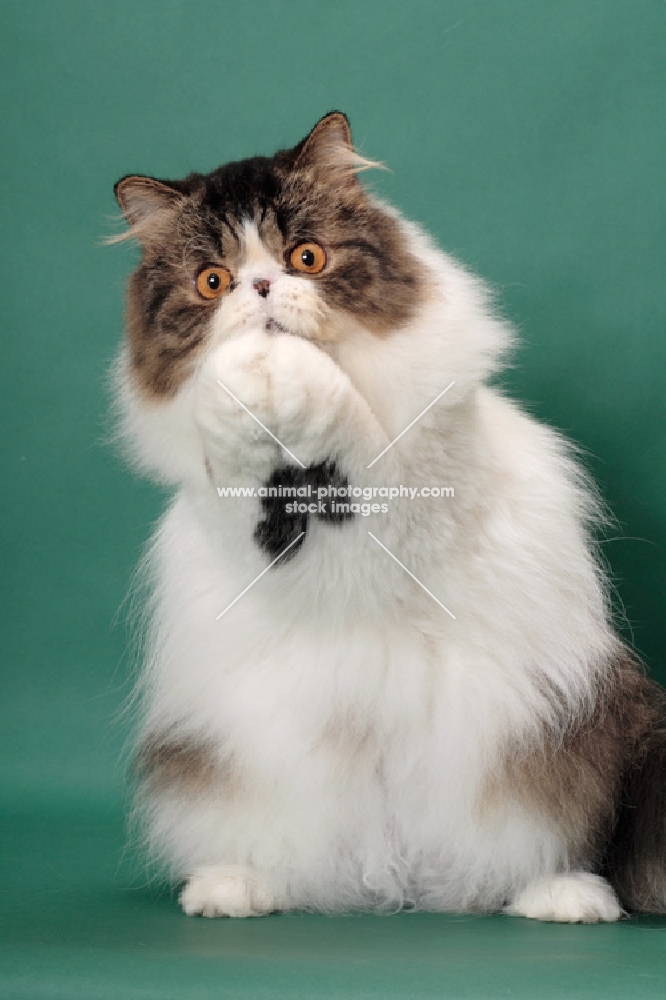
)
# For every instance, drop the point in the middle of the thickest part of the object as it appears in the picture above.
(529, 138)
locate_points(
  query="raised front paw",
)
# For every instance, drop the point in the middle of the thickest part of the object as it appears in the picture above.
(233, 405)
(308, 393)
(265, 400)
(226, 891)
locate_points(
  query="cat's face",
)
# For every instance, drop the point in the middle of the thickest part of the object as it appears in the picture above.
(292, 243)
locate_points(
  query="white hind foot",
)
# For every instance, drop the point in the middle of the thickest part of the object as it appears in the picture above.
(574, 898)
(226, 891)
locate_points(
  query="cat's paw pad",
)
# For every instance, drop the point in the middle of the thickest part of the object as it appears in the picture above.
(575, 898)
(226, 891)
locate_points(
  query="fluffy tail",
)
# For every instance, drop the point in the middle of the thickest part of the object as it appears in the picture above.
(636, 862)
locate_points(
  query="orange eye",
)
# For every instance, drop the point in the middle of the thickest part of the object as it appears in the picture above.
(212, 282)
(309, 258)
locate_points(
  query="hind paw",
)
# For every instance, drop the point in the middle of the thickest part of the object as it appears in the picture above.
(574, 897)
(226, 891)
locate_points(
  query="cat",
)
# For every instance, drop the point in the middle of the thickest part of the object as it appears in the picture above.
(415, 701)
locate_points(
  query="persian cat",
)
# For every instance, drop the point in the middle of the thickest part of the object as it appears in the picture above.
(380, 665)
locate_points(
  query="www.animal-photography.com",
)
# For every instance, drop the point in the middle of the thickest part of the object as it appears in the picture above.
(334, 531)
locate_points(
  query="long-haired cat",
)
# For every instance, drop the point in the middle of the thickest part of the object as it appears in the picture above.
(397, 700)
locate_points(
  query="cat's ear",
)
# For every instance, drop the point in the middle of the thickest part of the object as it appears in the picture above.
(329, 141)
(328, 150)
(142, 198)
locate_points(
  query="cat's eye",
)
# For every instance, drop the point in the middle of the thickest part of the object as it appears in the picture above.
(212, 282)
(309, 258)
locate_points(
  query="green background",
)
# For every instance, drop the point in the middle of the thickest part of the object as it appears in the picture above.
(529, 137)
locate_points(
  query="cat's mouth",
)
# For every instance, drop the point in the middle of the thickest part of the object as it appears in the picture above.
(272, 326)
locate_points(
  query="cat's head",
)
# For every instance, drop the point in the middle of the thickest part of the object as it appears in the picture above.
(291, 242)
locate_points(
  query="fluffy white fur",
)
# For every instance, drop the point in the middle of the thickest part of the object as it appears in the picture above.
(364, 721)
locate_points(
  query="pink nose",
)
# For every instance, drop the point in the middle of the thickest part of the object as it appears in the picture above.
(262, 286)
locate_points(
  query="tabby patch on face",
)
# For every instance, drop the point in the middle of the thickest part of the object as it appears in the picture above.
(331, 255)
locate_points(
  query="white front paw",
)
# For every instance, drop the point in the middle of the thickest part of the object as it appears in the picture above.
(265, 400)
(226, 891)
(308, 395)
(573, 897)
(233, 400)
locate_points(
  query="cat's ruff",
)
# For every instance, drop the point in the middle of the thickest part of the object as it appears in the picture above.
(336, 740)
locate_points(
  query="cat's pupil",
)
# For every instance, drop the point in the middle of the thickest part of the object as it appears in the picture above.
(213, 281)
(308, 258)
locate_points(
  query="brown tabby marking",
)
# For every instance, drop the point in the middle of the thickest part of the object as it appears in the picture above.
(576, 776)
(347, 737)
(309, 192)
(185, 762)
(636, 859)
